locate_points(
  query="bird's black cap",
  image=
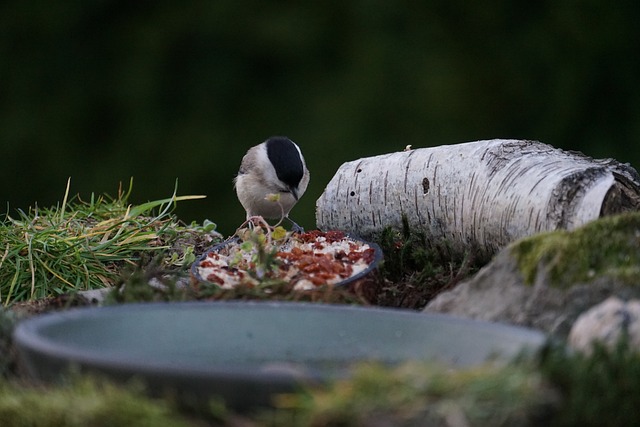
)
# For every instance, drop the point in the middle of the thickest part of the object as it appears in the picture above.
(285, 158)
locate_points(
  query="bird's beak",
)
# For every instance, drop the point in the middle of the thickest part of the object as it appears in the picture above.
(294, 192)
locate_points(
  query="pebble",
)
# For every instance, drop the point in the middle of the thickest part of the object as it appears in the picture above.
(605, 323)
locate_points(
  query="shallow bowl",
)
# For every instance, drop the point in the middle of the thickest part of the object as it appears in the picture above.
(246, 352)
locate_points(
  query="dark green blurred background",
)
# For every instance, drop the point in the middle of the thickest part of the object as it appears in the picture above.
(105, 90)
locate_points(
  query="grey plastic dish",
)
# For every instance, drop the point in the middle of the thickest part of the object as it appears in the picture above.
(376, 260)
(246, 352)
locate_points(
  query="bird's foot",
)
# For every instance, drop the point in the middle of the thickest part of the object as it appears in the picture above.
(252, 223)
(257, 221)
(295, 228)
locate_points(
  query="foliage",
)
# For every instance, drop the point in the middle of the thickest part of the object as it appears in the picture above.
(260, 247)
(600, 389)
(554, 387)
(277, 291)
(148, 282)
(254, 250)
(424, 394)
(152, 282)
(80, 245)
(409, 277)
(84, 402)
(413, 271)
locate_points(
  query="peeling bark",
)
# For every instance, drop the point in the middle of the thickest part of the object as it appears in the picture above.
(479, 195)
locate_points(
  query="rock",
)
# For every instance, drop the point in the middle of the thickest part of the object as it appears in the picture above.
(94, 296)
(546, 281)
(606, 323)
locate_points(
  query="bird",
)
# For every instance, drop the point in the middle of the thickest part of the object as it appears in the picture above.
(274, 167)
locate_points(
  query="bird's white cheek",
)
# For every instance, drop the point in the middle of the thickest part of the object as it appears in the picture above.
(303, 185)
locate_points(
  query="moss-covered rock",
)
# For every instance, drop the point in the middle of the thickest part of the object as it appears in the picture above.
(417, 394)
(608, 247)
(546, 281)
(84, 402)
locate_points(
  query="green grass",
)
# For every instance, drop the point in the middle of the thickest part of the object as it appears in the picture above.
(80, 245)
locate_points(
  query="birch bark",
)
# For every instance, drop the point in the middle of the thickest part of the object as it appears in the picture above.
(479, 195)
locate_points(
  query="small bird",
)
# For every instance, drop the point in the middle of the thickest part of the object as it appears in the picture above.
(275, 166)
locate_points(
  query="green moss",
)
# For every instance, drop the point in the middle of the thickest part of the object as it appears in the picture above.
(83, 403)
(553, 387)
(414, 271)
(608, 247)
(423, 394)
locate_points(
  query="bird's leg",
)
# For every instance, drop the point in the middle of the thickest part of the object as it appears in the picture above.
(295, 228)
(254, 221)
(276, 198)
(257, 221)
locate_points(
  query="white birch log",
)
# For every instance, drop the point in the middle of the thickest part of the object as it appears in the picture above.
(476, 196)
